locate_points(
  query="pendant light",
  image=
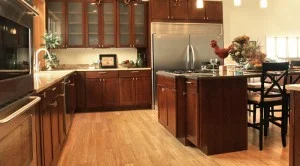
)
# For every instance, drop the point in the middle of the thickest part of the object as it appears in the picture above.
(237, 2)
(263, 3)
(199, 4)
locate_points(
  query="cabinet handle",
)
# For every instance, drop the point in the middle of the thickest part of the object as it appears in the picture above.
(203, 18)
(72, 84)
(53, 89)
(103, 80)
(136, 78)
(132, 45)
(99, 45)
(100, 79)
(102, 45)
(62, 95)
(63, 46)
(184, 93)
(44, 95)
(66, 46)
(135, 71)
(207, 18)
(66, 82)
(54, 104)
(163, 89)
(102, 72)
(133, 79)
(172, 17)
(188, 82)
(168, 16)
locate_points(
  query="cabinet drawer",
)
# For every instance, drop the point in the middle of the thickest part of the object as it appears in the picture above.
(135, 73)
(50, 93)
(169, 82)
(191, 85)
(101, 74)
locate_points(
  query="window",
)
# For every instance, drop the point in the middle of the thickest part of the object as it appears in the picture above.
(282, 47)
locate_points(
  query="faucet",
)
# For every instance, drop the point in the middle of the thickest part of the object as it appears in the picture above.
(37, 67)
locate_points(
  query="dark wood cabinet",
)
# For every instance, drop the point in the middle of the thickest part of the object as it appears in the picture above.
(132, 24)
(52, 123)
(135, 88)
(102, 89)
(66, 18)
(186, 10)
(294, 146)
(171, 105)
(192, 112)
(179, 9)
(100, 24)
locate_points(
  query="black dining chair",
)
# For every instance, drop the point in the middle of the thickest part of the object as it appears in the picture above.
(269, 95)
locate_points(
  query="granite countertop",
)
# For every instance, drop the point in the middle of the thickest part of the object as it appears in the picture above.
(294, 87)
(45, 79)
(217, 75)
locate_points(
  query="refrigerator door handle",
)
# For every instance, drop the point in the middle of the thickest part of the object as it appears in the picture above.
(187, 57)
(193, 55)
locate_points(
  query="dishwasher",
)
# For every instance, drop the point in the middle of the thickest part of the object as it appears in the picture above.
(18, 132)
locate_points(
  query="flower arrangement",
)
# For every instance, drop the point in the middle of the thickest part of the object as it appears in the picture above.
(244, 51)
(51, 41)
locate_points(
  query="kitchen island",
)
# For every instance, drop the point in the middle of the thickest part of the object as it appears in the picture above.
(208, 111)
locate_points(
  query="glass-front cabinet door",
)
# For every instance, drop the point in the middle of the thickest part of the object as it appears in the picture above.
(75, 24)
(139, 29)
(56, 20)
(108, 22)
(93, 25)
(124, 21)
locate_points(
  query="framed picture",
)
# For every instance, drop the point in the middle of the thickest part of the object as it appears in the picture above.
(108, 60)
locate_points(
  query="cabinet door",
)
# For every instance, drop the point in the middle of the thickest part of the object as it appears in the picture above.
(194, 12)
(160, 9)
(192, 117)
(213, 11)
(60, 108)
(110, 92)
(171, 109)
(108, 24)
(56, 19)
(179, 9)
(92, 17)
(55, 128)
(75, 24)
(46, 136)
(139, 28)
(94, 91)
(162, 106)
(143, 92)
(124, 25)
(127, 91)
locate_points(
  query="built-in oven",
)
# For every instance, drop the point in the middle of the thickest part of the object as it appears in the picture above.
(16, 77)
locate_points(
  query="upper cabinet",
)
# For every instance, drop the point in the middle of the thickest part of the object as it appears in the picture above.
(132, 25)
(75, 35)
(106, 23)
(186, 10)
(100, 24)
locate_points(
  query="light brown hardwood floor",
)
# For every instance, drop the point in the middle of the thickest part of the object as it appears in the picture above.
(136, 138)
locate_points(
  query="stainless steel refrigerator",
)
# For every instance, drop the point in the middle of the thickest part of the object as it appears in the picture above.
(182, 46)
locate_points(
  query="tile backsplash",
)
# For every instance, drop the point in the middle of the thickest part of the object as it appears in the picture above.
(88, 55)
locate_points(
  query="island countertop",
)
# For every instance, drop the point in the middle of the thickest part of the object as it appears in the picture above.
(293, 87)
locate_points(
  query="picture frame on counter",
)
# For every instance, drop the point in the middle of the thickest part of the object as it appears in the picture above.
(108, 60)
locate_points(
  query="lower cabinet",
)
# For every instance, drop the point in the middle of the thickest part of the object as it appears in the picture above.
(192, 112)
(52, 123)
(135, 88)
(102, 89)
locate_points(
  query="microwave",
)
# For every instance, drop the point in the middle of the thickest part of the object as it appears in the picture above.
(16, 77)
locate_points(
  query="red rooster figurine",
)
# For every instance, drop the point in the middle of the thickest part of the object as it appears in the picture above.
(220, 52)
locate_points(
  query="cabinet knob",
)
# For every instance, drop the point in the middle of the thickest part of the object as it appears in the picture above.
(100, 79)
(133, 79)
(44, 95)
(188, 82)
(168, 16)
(184, 93)
(102, 45)
(72, 84)
(103, 80)
(207, 18)
(132, 45)
(172, 17)
(163, 89)
(136, 78)
(54, 104)
(203, 18)
(66, 46)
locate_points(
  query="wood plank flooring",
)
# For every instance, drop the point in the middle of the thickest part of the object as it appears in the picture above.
(135, 138)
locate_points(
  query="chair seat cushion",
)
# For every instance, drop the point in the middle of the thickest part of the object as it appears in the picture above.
(256, 97)
(257, 85)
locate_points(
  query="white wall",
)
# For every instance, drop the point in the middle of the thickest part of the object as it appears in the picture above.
(280, 18)
(87, 55)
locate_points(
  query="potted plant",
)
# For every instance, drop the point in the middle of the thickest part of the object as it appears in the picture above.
(51, 41)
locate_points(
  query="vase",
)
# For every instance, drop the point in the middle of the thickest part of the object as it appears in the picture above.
(140, 60)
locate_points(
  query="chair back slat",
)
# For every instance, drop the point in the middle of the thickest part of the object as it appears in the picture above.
(274, 74)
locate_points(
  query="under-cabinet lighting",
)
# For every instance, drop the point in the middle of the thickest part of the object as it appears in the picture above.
(237, 2)
(199, 4)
